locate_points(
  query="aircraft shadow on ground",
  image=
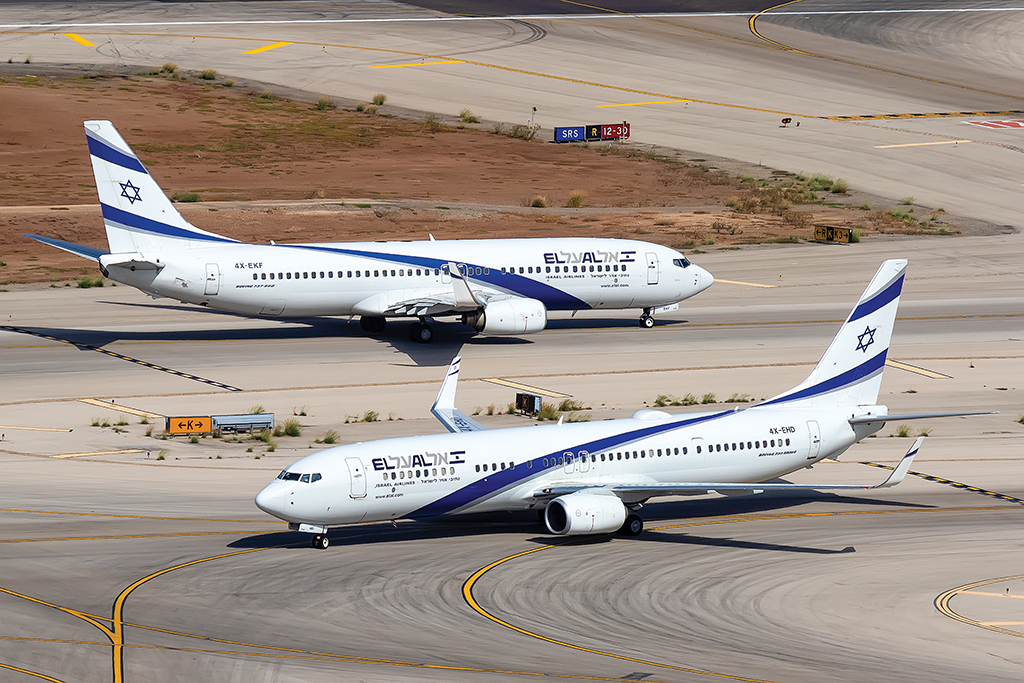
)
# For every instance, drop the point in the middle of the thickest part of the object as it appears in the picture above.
(526, 522)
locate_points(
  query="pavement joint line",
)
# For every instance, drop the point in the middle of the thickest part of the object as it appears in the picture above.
(121, 409)
(954, 484)
(942, 604)
(524, 387)
(272, 46)
(120, 537)
(119, 356)
(748, 284)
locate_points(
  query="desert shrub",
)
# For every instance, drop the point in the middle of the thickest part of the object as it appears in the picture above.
(569, 404)
(169, 68)
(371, 416)
(738, 398)
(708, 398)
(228, 82)
(903, 430)
(257, 409)
(578, 417)
(86, 282)
(325, 103)
(575, 199)
(292, 427)
(466, 116)
(540, 202)
(330, 437)
(688, 400)
(523, 132)
(547, 412)
(185, 197)
(360, 106)
(840, 186)
(433, 123)
(379, 99)
(209, 74)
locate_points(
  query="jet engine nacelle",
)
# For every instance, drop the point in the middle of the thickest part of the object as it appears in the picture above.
(584, 513)
(510, 316)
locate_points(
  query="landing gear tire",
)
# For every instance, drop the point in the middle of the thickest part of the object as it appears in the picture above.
(422, 333)
(646, 322)
(632, 526)
(373, 323)
(320, 542)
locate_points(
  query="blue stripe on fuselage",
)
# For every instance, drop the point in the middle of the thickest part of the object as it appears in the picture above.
(493, 484)
(100, 149)
(553, 298)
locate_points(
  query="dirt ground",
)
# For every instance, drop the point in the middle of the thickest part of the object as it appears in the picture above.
(268, 168)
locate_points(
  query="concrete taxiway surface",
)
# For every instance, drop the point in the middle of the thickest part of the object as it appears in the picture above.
(791, 588)
(885, 92)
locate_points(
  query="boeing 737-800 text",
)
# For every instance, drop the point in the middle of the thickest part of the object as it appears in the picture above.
(591, 478)
(497, 286)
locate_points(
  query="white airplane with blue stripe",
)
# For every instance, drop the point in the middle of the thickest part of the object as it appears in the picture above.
(496, 286)
(592, 478)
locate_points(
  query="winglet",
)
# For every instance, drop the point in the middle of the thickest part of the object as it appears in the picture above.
(464, 297)
(444, 406)
(904, 466)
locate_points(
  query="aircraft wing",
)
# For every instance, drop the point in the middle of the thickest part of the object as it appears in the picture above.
(652, 489)
(444, 406)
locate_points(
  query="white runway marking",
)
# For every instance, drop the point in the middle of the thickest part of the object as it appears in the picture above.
(510, 17)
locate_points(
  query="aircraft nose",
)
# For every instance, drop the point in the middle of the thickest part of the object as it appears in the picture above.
(271, 500)
(706, 279)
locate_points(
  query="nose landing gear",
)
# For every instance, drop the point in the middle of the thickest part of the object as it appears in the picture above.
(647, 320)
(320, 542)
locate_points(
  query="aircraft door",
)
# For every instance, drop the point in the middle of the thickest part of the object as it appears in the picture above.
(446, 277)
(652, 268)
(696, 454)
(570, 464)
(815, 434)
(358, 477)
(212, 278)
(584, 461)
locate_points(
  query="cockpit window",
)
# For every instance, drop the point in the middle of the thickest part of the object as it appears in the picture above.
(316, 477)
(680, 262)
(304, 479)
(289, 476)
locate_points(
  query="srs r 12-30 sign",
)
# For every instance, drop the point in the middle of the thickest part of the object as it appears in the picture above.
(594, 131)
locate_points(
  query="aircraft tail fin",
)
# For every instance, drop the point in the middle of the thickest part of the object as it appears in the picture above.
(850, 372)
(137, 214)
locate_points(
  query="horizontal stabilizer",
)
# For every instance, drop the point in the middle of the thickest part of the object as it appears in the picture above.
(444, 406)
(91, 253)
(913, 416)
(690, 488)
(135, 261)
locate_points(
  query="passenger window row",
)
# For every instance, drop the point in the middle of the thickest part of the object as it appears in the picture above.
(312, 274)
(419, 474)
(562, 269)
(718, 447)
(494, 466)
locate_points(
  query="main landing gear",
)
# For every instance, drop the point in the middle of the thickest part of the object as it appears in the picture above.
(373, 324)
(632, 526)
(320, 542)
(421, 332)
(647, 320)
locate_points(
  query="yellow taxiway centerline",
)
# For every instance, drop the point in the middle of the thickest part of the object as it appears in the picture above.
(78, 39)
(524, 387)
(916, 370)
(272, 46)
(37, 429)
(397, 66)
(120, 409)
(746, 284)
(923, 144)
(637, 104)
(82, 455)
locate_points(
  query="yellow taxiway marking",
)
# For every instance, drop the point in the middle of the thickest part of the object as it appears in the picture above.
(82, 455)
(923, 144)
(916, 370)
(524, 387)
(120, 409)
(78, 39)
(925, 115)
(637, 104)
(997, 595)
(36, 429)
(119, 538)
(1002, 623)
(942, 604)
(30, 673)
(397, 66)
(747, 284)
(272, 46)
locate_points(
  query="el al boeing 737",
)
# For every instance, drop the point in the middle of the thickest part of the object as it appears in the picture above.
(591, 478)
(496, 286)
